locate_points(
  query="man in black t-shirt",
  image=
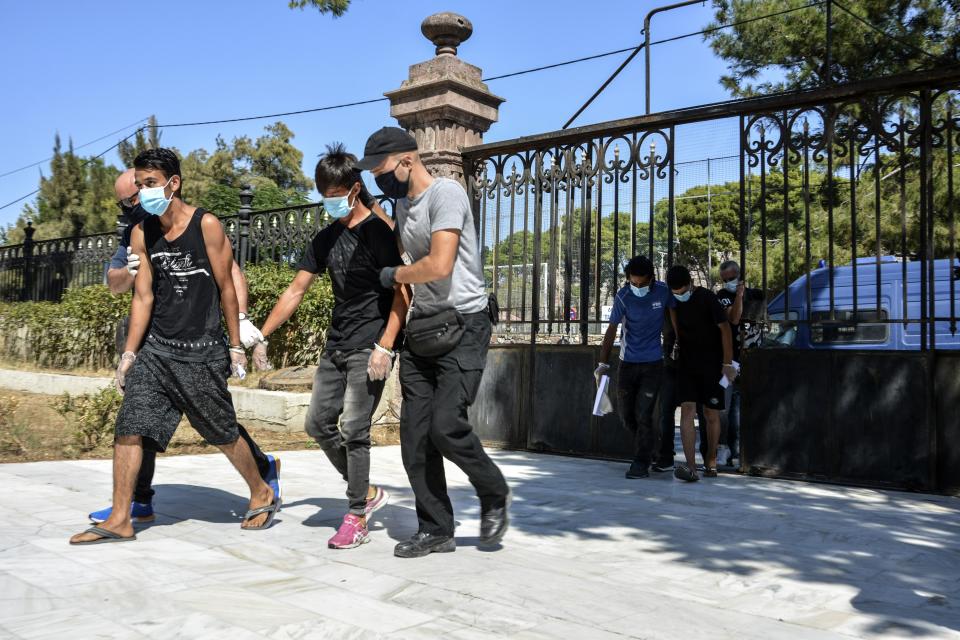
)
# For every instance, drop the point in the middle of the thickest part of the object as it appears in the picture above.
(705, 348)
(363, 332)
(737, 300)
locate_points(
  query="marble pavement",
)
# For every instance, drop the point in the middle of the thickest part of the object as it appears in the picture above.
(590, 555)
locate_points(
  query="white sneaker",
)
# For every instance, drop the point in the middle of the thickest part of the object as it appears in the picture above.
(723, 455)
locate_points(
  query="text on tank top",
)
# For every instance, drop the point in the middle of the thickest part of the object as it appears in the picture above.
(186, 321)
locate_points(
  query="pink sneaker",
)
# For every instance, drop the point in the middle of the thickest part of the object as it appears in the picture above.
(378, 500)
(352, 533)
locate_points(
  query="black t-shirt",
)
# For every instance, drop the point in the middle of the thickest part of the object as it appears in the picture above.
(749, 321)
(698, 321)
(354, 257)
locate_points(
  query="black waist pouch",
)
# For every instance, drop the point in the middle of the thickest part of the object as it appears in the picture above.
(432, 336)
(493, 309)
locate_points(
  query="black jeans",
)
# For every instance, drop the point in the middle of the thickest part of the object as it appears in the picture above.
(638, 385)
(433, 425)
(668, 408)
(143, 492)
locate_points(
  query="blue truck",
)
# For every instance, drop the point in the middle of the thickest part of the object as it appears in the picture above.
(810, 324)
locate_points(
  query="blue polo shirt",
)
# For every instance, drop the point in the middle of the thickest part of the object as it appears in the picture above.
(642, 319)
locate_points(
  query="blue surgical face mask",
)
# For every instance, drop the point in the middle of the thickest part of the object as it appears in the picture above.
(153, 201)
(639, 291)
(731, 286)
(338, 206)
(683, 297)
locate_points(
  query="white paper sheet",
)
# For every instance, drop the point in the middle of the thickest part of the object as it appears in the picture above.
(723, 379)
(601, 403)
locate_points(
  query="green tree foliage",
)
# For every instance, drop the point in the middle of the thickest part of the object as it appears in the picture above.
(78, 197)
(147, 137)
(271, 164)
(560, 248)
(335, 7)
(788, 52)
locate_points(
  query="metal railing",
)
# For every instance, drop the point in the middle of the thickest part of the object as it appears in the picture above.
(831, 183)
(43, 270)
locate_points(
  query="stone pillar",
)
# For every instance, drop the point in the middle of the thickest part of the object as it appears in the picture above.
(444, 103)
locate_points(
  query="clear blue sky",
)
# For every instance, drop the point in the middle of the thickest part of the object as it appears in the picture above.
(87, 68)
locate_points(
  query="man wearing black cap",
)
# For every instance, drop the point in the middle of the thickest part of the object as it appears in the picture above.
(448, 334)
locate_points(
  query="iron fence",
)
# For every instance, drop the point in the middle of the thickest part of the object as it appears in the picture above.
(43, 270)
(824, 197)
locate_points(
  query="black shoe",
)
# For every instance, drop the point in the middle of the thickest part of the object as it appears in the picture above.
(661, 467)
(638, 470)
(494, 522)
(423, 544)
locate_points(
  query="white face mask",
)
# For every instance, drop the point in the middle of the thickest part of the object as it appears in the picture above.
(153, 201)
(731, 286)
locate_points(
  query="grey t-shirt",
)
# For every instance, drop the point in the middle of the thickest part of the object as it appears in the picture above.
(444, 205)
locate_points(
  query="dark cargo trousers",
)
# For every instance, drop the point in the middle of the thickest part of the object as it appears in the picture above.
(638, 385)
(433, 425)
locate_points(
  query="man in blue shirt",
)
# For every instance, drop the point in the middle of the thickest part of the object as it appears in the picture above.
(640, 307)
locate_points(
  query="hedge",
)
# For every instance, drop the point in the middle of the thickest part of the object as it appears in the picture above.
(80, 331)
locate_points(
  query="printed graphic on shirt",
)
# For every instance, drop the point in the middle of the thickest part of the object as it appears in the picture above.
(749, 333)
(179, 265)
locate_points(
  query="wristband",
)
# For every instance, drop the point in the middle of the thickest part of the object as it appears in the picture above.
(237, 350)
(243, 316)
(376, 345)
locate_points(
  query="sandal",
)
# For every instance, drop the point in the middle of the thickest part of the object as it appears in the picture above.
(271, 510)
(105, 536)
(710, 472)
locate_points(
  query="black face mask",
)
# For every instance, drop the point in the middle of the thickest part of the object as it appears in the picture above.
(391, 187)
(134, 214)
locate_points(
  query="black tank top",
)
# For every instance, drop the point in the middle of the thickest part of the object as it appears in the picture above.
(186, 320)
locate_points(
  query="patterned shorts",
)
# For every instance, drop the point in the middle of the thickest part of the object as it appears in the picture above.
(159, 391)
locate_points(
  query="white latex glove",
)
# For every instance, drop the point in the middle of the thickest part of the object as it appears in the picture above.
(133, 262)
(731, 371)
(380, 363)
(249, 334)
(260, 360)
(238, 363)
(126, 363)
(601, 370)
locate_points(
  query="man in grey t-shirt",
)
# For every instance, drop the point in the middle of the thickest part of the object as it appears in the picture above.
(444, 205)
(435, 227)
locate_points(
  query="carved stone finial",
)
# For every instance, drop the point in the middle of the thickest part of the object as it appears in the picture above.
(446, 30)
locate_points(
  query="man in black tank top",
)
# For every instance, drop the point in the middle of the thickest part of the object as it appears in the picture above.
(184, 364)
(120, 276)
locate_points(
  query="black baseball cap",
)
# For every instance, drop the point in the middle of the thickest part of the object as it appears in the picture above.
(384, 142)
